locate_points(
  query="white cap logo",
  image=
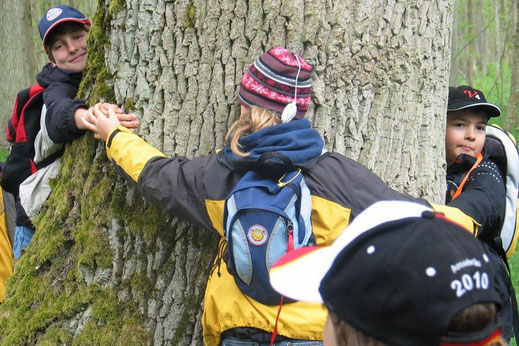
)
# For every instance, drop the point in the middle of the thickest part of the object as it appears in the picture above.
(53, 13)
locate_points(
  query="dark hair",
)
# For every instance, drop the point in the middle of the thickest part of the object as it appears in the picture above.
(472, 319)
(62, 29)
(473, 110)
(347, 335)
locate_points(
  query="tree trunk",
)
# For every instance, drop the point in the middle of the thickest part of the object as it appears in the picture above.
(499, 44)
(512, 116)
(469, 54)
(455, 41)
(481, 29)
(105, 267)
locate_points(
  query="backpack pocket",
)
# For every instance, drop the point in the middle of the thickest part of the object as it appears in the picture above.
(256, 240)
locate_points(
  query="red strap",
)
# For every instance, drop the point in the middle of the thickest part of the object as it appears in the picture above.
(275, 332)
(290, 244)
(479, 158)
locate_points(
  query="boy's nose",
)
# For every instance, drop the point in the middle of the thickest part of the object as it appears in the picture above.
(470, 133)
(71, 46)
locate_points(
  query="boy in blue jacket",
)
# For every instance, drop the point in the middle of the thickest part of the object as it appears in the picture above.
(64, 31)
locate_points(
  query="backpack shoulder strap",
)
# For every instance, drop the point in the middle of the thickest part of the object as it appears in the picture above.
(273, 165)
(500, 146)
(26, 98)
(479, 158)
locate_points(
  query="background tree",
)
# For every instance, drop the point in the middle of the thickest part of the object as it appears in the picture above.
(484, 54)
(15, 56)
(105, 267)
(512, 117)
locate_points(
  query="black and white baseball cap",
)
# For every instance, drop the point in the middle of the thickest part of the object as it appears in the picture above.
(400, 272)
(463, 97)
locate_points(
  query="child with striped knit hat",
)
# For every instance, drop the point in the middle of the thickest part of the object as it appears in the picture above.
(275, 95)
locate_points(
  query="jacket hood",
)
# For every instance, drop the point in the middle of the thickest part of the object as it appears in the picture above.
(296, 140)
(51, 74)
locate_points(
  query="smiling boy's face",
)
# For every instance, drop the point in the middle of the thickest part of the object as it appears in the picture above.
(69, 50)
(465, 133)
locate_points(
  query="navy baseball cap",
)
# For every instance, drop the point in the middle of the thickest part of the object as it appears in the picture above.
(464, 97)
(57, 15)
(399, 272)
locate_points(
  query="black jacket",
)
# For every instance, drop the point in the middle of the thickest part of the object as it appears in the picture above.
(60, 98)
(483, 195)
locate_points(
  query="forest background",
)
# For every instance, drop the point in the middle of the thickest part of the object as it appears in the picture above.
(484, 46)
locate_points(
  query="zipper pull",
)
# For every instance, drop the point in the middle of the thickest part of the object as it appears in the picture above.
(290, 245)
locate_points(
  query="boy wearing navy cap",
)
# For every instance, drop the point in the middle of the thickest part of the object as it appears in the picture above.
(400, 274)
(475, 184)
(63, 31)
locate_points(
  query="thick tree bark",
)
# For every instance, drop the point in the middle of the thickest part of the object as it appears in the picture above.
(105, 267)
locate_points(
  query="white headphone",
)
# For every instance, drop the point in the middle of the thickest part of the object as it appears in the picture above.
(291, 109)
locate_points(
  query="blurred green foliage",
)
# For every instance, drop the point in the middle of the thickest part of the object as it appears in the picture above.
(3, 154)
(484, 49)
(496, 89)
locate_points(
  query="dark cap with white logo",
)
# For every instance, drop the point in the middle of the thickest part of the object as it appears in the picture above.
(464, 97)
(400, 272)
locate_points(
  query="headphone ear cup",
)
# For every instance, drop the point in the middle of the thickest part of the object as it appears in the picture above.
(289, 112)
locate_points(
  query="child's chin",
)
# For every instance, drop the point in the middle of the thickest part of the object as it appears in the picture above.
(78, 67)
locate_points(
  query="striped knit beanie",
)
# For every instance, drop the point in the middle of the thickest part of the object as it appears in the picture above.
(270, 82)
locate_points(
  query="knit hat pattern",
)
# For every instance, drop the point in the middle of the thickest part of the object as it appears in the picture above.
(270, 82)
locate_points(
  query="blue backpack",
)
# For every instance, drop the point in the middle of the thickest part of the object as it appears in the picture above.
(265, 218)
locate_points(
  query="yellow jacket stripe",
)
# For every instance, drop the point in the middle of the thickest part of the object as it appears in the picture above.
(122, 148)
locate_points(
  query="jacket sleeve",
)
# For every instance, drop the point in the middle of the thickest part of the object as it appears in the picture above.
(60, 99)
(350, 184)
(175, 185)
(483, 198)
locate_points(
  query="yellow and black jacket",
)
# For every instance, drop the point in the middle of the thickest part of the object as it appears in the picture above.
(196, 190)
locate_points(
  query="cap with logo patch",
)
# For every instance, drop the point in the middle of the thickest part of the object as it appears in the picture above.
(463, 97)
(400, 272)
(57, 15)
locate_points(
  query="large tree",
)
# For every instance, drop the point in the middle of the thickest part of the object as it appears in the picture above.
(105, 267)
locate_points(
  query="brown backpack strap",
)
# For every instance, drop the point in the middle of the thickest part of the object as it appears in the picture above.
(479, 158)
